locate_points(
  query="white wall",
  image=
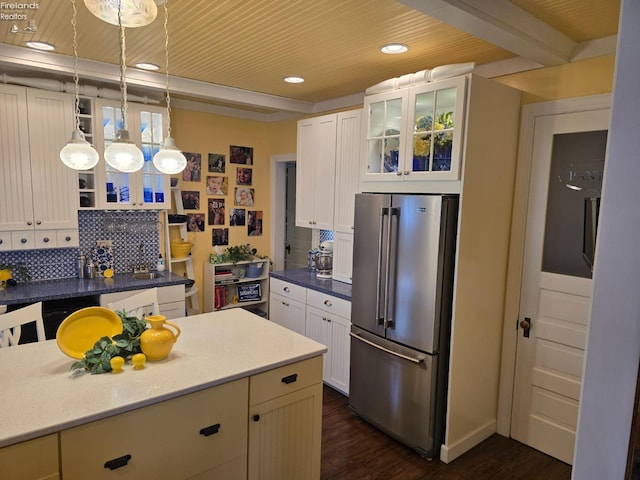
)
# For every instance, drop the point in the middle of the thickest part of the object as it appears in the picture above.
(613, 345)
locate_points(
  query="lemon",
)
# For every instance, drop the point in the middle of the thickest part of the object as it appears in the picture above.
(116, 364)
(138, 361)
(108, 273)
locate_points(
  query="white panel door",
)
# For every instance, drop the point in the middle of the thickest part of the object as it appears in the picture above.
(556, 284)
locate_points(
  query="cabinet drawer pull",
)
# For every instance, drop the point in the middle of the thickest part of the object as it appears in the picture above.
(45, 239)
(117, 462)
(68, 239)
(287, 289)
(285, 304)
(290, 378)
(328, 303)
(23, 240)
(210, 430)
(256, 418)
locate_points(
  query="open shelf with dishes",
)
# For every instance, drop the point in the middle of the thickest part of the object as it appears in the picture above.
(243, 284)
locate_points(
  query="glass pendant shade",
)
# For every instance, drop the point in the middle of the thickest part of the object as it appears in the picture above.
(123, 154)
(78, 153)
(135, 13)
(169, 159)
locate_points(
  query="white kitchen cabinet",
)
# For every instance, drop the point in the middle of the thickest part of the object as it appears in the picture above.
(35, 459)
(328, 322)
(147, 189)
(287, 305)
(285, 426)
(188, 436)
(38, 192)
(315, 172)
(342, 257)
(416, 133)
(171, 300)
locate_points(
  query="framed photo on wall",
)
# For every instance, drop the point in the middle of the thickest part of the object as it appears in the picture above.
(193, 170)
(244, 197)
(217, 185)
(237, 217)
(220, 236)
(191, 200)
(195, 222)
(216, 211)
(243, 176)
(254, 225)
(243, 155)
(216, 163)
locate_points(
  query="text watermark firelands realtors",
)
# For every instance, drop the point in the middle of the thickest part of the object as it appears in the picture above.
(13, 11)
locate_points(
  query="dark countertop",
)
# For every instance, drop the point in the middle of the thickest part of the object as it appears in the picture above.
(307, 278)
(61, 288)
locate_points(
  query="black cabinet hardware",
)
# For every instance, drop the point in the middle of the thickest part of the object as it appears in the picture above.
(290, 379)
(210, 430)
(117, 462)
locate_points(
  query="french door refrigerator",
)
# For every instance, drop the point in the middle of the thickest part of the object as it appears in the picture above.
(403, 265)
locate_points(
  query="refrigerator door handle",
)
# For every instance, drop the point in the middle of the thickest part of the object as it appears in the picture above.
(384, 211)
(417, 360)
(386, 322)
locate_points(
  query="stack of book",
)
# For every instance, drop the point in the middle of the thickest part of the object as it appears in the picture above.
(220, 296)
(224, 276)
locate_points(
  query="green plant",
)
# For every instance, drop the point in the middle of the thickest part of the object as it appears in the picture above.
(234, 254)
(20, 273)
(126, 344)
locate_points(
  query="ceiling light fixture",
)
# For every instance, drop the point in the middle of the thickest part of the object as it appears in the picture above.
(123, 154)
(77, 153)
(152, 67)
(293, 79)
(44, 46)
(168, 159)
(131, 13)
(394, 48)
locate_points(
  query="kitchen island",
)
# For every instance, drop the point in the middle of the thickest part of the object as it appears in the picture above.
(261, 367)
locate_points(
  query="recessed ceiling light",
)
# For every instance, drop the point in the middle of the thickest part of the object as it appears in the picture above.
(47, 47)
(147, 66)
(394, 48)
(293, 79)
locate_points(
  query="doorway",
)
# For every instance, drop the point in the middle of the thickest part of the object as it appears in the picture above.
(550, 276)
(289, 244)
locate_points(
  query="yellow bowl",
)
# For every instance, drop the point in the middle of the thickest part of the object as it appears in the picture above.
(180, 249)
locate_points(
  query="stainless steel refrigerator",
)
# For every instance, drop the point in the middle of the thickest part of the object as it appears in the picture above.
(403, 265)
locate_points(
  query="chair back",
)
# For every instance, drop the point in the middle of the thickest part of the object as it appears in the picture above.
(139, 305)
(11, 324)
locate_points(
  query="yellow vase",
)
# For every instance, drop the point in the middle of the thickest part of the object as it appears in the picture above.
(157, 341)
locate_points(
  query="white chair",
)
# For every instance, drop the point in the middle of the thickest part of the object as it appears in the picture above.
(11, 324)
(139, 305)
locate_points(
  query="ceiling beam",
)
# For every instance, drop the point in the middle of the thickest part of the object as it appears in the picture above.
(503, 24)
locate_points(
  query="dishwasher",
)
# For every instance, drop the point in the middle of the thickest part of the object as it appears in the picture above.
(53, 314)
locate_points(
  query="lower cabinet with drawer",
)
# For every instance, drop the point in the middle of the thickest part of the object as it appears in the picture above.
(285, 424)
(170, 300)
(328, 322)
(287, 305)
(321, 317)
(31, 460)
(193, 436)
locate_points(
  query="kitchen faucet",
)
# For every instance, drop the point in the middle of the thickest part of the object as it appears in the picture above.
(140, 266)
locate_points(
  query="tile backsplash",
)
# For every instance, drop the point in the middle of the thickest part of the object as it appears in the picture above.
(127, 231)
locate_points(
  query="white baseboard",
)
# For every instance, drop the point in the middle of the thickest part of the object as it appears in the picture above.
(449, 452)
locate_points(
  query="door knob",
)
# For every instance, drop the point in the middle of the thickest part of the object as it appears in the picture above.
(526, 326)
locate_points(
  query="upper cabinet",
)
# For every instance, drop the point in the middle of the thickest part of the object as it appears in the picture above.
(39, 194)
(315, 171)
(147, 189)
(415, 134)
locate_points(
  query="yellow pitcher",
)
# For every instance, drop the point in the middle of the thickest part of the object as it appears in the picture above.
(157, 341)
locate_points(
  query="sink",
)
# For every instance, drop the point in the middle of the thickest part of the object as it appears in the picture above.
(147, 275)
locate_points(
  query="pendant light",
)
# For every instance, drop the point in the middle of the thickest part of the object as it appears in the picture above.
(169, 159)
(123, 154)
(131, 13)
(77, 153)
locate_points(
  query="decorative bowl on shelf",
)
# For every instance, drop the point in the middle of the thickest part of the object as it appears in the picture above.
(180, 248)
(254, 270)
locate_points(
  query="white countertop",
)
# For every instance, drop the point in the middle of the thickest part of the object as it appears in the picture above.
(40, 395)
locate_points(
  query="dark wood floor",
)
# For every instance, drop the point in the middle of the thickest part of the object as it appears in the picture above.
(352, 449)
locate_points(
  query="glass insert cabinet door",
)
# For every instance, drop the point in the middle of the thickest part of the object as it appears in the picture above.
(415, 133)
(147, 188)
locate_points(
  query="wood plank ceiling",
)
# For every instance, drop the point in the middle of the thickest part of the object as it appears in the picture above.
(334, 44)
